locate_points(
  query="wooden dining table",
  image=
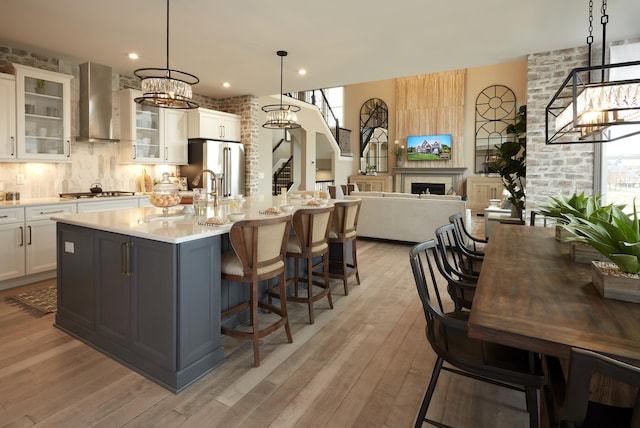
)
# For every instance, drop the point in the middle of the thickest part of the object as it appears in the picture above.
(531, 295)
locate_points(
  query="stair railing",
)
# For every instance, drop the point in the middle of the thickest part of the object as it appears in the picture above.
(279, 178)
(318, 98)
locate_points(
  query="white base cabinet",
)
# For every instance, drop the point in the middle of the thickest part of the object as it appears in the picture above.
(29, 239)
(12, 255)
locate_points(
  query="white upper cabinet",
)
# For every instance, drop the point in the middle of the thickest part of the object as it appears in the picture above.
(8, 149)
(213, 125)
(43, 112)
(151, 135)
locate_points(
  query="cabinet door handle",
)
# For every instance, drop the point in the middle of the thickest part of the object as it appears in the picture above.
(29, 229)
(13, 146)
(68, 148)
(125, 254)
(21, 236)
(166, 153)
(123, 258)
(135, 151)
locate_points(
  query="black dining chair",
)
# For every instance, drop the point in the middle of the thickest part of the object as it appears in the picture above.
(448, 336)
(567, 400)
(460, 285)
(463, 261)
(472, 243)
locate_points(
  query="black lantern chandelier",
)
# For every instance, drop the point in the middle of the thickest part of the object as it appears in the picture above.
(582, 111)
(281, 116)
(164, 87)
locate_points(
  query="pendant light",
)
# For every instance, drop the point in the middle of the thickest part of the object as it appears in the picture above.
(281, 116)
(164, 87)
(582, 111)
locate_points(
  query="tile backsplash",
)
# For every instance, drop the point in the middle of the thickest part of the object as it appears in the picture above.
(92, 163)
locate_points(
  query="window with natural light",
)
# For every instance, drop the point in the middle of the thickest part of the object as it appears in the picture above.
(620, 160)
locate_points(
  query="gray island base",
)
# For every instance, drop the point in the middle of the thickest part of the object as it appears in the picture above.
(153, 306)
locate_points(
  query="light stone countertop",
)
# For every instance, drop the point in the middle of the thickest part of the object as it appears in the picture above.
(178, 227)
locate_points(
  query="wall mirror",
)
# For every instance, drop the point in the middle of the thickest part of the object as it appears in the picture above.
(495, 110)
(374, 136)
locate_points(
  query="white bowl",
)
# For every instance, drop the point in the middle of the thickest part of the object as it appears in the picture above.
(236, 216)
(286, 208)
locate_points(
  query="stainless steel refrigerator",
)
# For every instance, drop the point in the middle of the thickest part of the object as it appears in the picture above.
(225, 158)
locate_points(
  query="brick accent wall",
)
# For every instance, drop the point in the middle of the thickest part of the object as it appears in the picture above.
(555, 169)
(249, 109)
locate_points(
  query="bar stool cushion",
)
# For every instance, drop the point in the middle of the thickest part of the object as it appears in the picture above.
(231, 265)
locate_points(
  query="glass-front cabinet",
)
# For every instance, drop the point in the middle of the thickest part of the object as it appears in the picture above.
(150, 135)
(7, 117)
(43, 112)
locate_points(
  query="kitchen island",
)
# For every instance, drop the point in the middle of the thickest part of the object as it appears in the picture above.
(146, 289)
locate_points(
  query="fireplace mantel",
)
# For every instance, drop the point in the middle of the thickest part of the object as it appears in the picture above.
(452, 177)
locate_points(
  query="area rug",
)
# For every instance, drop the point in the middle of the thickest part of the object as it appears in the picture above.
(38, 302)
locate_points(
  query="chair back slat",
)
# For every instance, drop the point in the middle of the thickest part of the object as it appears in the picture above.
(346, 216)
(311, 226)
(268, 235)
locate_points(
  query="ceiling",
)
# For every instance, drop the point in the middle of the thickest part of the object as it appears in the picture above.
(337, 42)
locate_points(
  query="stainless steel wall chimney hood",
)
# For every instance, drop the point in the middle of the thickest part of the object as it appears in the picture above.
(95, 104)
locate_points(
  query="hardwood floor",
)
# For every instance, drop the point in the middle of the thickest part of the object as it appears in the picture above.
(366, 363)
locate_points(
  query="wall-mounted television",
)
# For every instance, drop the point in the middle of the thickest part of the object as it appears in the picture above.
(429, 147)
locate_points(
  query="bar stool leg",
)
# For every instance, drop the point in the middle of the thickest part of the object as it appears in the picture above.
(345, 276)
(355, 260)
(283, 306)
(310, 289)
(254, 323)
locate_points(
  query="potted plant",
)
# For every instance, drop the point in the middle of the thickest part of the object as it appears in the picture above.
(578, 205)
(510, 161)
(616, 235)
(40, 86)
(371, 169)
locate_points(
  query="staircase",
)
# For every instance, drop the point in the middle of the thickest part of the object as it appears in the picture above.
(283, 177)
(318, 98)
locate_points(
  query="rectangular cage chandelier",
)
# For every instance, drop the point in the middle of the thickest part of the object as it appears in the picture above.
(584, 111)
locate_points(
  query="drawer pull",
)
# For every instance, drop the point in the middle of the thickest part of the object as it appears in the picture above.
(51, 212)
(4, 216)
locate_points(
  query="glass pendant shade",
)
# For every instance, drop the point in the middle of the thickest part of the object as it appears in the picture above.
(165, 90)
(582, 112)
(281, 116)
(164, 87)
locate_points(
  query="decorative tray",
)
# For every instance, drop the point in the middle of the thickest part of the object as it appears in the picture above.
(270, 211)
(209, 223)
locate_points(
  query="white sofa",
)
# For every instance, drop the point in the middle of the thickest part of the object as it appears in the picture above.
(405, 216)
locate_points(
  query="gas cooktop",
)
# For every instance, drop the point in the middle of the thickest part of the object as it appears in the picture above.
(103, 194)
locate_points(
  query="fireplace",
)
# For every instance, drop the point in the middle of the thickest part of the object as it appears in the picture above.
(433, 188)
(451, 178)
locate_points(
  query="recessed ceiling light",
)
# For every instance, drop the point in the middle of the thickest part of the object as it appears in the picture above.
(226, 84)
(133, 55)
(302, 72)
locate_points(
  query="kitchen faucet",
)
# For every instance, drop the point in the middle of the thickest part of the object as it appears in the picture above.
(214, 184)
